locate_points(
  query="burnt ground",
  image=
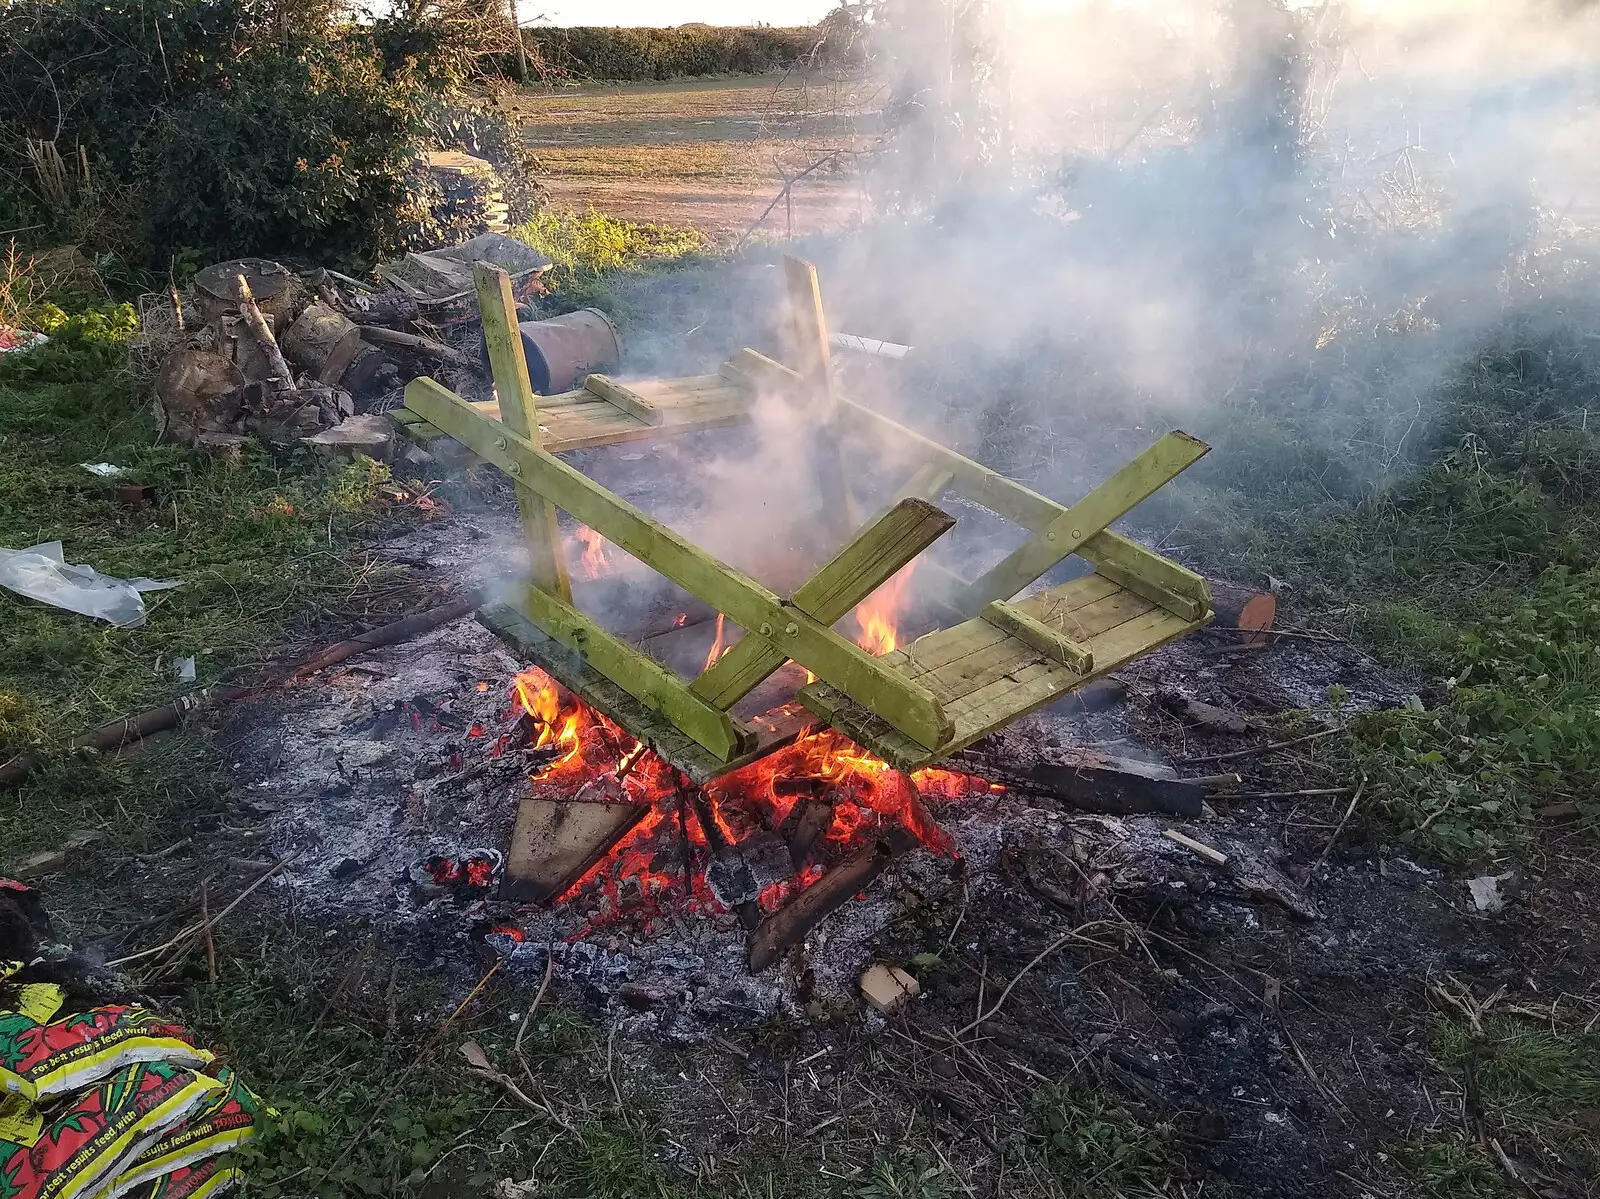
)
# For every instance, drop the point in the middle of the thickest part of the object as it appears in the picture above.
(1100, 1008)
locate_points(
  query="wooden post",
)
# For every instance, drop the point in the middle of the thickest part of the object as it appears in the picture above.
(547, 567)
(808, 332)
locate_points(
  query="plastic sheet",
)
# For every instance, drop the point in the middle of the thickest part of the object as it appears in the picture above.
(41, 572)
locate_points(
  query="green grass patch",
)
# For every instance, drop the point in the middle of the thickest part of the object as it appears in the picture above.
(1451, 1167)
(1537, 1093)
(1094, 1143)
(262, 546)
(587, 247)
(1518, 727)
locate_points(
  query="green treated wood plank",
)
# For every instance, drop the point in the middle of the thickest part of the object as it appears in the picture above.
(1090, 600)
(808, 339)
(870, 559)
(814, 645)
(1067, 533)
(1158, 579)
(641, 676)
(1163, 582)
(1042, 683)
(1042, 637)
(547, 566)
(772, 730)
(961, 678)
(928, 482)
(624, 397)
(1002, 700)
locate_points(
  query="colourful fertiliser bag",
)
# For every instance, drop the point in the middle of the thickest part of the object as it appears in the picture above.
(38, 1060)
(227, 1119)
(98, 1134)
(200, 1181)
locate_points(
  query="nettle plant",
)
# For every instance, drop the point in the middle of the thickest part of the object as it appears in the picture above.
(1521, 726)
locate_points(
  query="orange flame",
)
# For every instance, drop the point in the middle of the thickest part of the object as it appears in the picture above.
(877, 614)
(647, 868)
(716, 646)
(537, 695)
(594, 560)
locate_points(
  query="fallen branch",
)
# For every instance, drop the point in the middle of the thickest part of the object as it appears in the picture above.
(788, 186)
(134, 728)
(1075, 934)
(1339, 828)
(381, 336)
(1263, 749)
(206, 922)
(281, 377)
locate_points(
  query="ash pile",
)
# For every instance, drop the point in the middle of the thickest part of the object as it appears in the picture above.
(397, 788)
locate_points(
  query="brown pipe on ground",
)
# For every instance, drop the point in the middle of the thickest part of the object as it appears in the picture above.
(133, 728)
(788, 926)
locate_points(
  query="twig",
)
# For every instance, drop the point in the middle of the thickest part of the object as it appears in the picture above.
(211, 944)
(394, 1088)
(1262, 749)
(1289, 794)
(1075, 934)
(1298, 634)
(788, 184)
(522, 1029)
(206, 923)
(1338, 828)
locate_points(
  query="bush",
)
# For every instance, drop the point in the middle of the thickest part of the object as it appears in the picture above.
(307, 154)
(214, 128)
(644, 54)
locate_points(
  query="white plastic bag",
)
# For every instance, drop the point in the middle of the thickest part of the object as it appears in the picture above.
(42, 573)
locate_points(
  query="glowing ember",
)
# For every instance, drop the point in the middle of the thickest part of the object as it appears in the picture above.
(877, 615)
(658, 867)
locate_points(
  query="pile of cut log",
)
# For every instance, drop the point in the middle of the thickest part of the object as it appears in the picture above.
(255, 349)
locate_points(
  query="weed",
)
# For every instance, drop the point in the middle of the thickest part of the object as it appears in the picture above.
(587, 246)
(1517, 727)
(902, 1178)
(1091, 1139)
(1453, 1168)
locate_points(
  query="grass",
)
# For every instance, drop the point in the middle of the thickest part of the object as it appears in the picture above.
(1092, 1141)
(589, 249)
(263, 549)
(1469, 553)
(1537, 1094)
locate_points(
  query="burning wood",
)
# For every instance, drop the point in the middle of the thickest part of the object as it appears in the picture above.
(787, 927)
(556, 842)
(1097, 782)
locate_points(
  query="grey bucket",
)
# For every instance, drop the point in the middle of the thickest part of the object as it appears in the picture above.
(563, 349)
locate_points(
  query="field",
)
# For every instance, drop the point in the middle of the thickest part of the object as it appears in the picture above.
(711, 154)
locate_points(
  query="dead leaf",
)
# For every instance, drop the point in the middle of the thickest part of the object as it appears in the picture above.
(476, 1057)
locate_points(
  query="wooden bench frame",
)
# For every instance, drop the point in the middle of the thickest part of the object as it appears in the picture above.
(690, 723)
